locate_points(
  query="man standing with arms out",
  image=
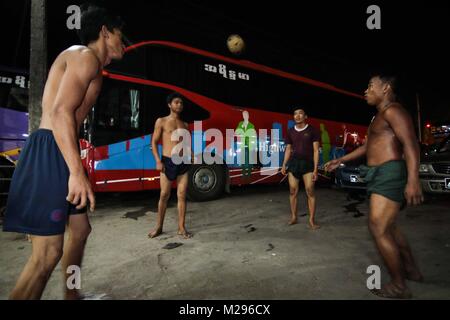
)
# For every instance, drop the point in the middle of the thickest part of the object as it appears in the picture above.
(49, 187)
(392, 175)
(302, 142)
(164, 127)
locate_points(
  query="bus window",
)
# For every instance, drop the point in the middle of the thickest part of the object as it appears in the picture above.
(135, 106)
(117, 114)
(18, 99)
(129, 109)
(108, 110)
(14, 98)
(156, 107)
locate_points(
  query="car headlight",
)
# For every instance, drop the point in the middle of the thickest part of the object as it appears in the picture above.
(424, 168)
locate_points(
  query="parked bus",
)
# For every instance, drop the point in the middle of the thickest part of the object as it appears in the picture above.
(116, 145)
(13, 121)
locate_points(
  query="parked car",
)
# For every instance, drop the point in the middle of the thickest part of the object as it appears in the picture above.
(347, 176)
(434, 170)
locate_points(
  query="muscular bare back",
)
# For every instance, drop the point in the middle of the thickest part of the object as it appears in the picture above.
(71, 58)
(382, 143)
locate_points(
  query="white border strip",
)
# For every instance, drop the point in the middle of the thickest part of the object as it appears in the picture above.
(255, 172)
(127, 180)
(264, 178)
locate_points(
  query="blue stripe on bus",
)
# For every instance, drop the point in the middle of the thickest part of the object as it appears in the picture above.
(133, 159)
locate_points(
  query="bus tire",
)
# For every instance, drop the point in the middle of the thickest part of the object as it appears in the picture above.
(205, 182)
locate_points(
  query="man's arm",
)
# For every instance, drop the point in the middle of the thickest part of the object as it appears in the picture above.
(189, 147)
(81, 69)
(157, 132)
(358, 153)
(401, 123)
(287, 156)
(316, 159)
(345, 139)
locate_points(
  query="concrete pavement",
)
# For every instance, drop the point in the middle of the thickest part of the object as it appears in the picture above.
(242, 249)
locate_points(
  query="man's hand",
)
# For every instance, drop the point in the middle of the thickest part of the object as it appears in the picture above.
(80, 191)
(315, 175)
(332, 165)
(283, 169)
(159, 166)
(413, 193)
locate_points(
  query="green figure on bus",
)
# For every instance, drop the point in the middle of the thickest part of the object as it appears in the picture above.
(246, 129)
(326, 145)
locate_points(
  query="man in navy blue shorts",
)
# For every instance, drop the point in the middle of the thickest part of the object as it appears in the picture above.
(49, 189)
(164, 129)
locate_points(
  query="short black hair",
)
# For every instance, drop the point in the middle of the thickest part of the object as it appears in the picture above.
(388, 78)
(173, 96)
(92, 20)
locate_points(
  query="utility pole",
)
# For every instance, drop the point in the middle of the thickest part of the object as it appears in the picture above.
(38, 62)
(419, 120)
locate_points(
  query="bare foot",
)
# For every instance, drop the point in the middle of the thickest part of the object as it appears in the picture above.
(313, 226)
(73, 295)
(414, 275)
(292, 222)
(392, 291)
(184, 234)
(155, 233)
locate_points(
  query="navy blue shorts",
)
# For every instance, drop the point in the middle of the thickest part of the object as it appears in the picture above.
(37, 202)
(172, 170)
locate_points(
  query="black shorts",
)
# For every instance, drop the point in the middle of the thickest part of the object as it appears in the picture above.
(299, 167)
(37, 202)
(172, 170)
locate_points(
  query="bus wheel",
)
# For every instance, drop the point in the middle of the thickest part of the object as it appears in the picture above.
(206, 182)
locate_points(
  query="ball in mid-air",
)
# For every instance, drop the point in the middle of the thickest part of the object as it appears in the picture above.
(235, 44)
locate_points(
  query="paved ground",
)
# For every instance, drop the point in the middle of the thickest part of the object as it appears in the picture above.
(242, 249)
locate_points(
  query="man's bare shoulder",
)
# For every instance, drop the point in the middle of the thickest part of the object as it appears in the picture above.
(160, 121)
(80, 56)
(394, 110)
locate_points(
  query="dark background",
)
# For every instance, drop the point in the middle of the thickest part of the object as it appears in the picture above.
(326, 41)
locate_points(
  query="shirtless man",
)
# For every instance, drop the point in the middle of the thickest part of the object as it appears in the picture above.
(392, 176)
(164, 127)
(49, 189)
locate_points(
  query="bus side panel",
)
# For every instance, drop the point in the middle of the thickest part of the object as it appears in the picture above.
(122, 169)
(118, 180)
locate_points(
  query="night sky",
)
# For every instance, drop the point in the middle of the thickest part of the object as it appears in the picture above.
(326, 41)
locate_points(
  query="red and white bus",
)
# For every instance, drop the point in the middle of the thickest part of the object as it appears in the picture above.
(116, 144)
